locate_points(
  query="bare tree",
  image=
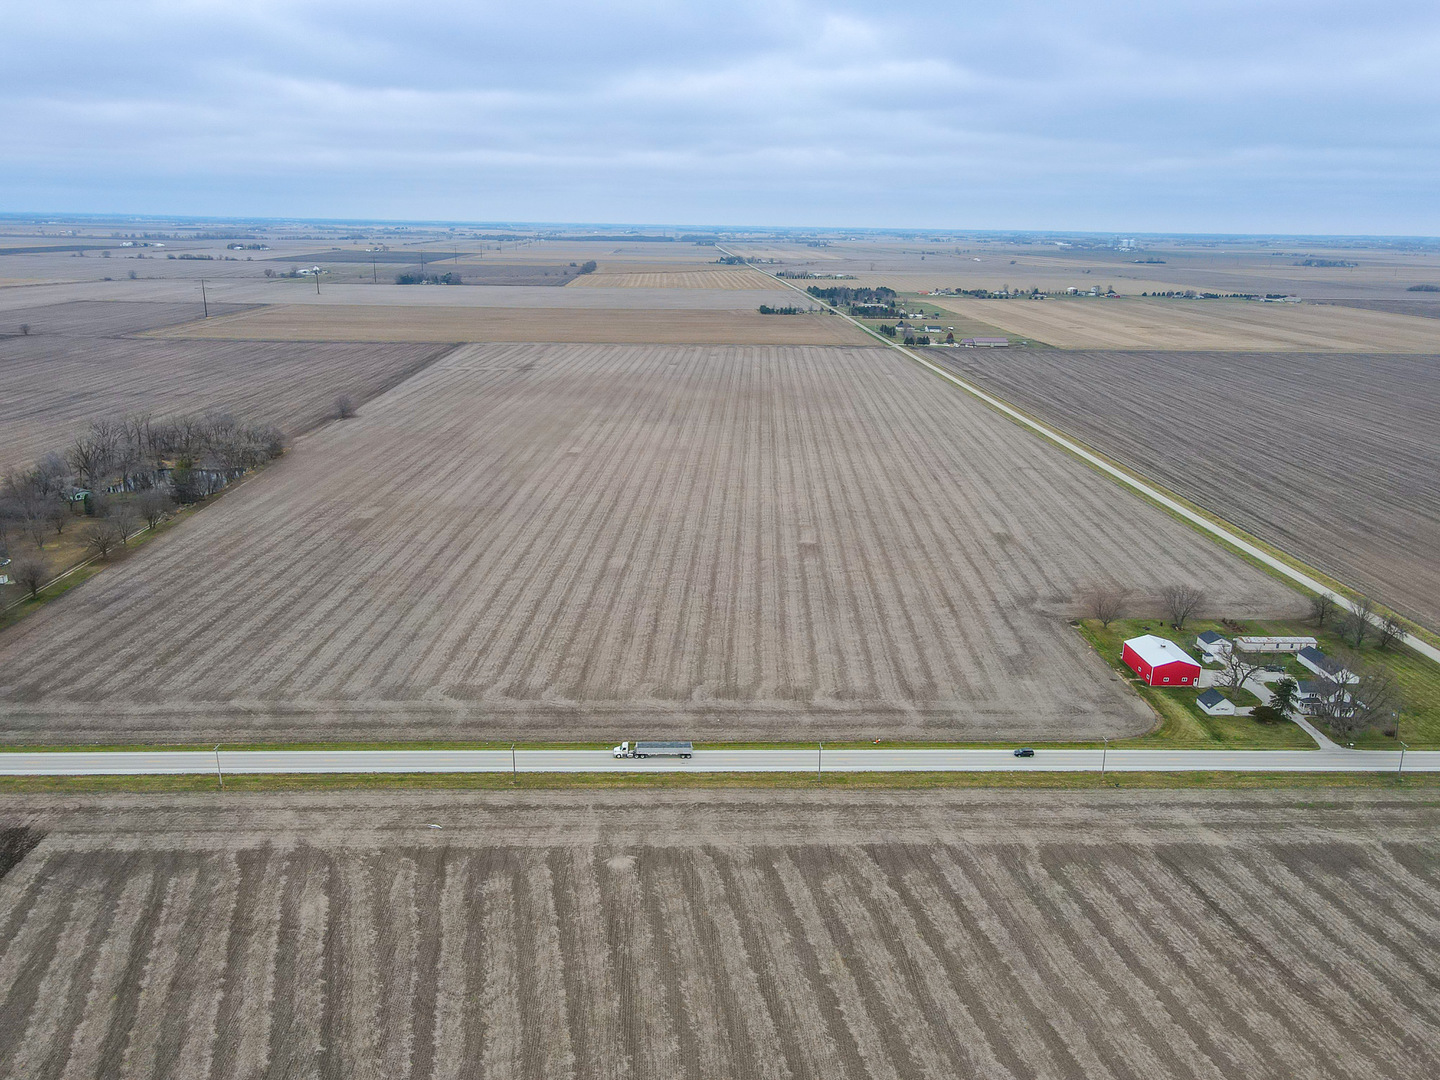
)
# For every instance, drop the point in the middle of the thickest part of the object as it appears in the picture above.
(1239, 666)
(31, 575)
(126, 521)
(89, 459)
(1181, 602)
(153, 506)
(1107, 602)
(1357, 622)
(1322, 606)
(344, 407)
(57, 515)
(1372, 701)
(103, 537)
(1392, 630)
(24, 329)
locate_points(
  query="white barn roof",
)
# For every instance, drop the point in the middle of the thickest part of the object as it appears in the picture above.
(1157, 650)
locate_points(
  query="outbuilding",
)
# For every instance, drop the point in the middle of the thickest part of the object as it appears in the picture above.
(1215, 703)
(1314, 660)
(1215, 646)
(1160, 662)
(1286, 643)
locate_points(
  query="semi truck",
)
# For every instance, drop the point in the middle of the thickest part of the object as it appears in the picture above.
(653, 749)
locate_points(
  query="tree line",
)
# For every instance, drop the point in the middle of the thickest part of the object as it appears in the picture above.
(120, 473)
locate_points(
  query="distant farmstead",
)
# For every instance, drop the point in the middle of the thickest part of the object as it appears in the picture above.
(1160, 662)
(985, 342)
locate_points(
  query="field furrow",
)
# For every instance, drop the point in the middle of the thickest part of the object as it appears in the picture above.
(813, 935)
(532, 541)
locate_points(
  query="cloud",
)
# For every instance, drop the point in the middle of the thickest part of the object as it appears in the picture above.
(1254, 116)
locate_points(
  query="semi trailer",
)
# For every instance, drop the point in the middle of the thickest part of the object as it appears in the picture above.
(653, 749)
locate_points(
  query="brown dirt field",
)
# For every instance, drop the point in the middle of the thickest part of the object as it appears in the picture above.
(1418, 306)
(795, 936)
(1334, 458)
(1221, 325)
(329, 323)
(106, 318)
(548, 541)
(55, 386)
(737, 278)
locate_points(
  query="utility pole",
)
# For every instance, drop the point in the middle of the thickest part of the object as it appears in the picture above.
(317, 281)
(1401, 769)
(1104, 753)
(819, 759)
(514, 772)
(203, 300)
(374, 278)
(218, 773)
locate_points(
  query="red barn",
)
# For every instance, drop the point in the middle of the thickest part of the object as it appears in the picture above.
(1160, 662)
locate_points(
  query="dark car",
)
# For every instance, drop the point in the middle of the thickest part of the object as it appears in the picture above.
(1025, 751)
(1275, 668)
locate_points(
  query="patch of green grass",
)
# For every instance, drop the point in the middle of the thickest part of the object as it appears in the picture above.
(1182, 722)
(98, 785)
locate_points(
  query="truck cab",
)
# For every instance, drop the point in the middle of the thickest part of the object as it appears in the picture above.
(623, 750)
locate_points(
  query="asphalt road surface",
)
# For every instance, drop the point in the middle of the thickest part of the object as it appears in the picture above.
(791, 759)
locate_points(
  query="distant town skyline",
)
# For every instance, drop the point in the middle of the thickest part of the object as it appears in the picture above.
(1277, 118)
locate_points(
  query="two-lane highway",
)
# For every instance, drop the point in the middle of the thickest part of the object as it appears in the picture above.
(797, 759)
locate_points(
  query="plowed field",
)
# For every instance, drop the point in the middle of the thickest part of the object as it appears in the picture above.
(296, 322)
(55, 386)
(1132, 937)
(1335, 458)
(1203, 324)
(106, 318)
(550, 541)
(675, 279)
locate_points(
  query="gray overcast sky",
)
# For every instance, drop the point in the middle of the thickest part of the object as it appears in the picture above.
(1246, 116)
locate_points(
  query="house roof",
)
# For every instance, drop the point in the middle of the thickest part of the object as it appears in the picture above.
(1210, 637)
(1320, 660)
(1211, 697)
(1157, 650)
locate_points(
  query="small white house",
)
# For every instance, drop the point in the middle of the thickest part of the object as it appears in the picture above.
(1314, 660)
(1215, 703)
(1311, 694)
(1285, 643)
(1214, 647)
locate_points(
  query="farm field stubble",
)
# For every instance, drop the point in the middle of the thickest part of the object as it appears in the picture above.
(723, 934)
(56, 385)
(285, 322)
(1226, 325)
(1201, 324)
(106, 318)
(1334, 458)
(674, 279)
(543, 541)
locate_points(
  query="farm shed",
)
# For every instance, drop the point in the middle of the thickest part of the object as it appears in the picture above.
(985, 342)
(1285, 643)
(1215, 703)
(1215, 646)
(1160, 662)
(1316, 661)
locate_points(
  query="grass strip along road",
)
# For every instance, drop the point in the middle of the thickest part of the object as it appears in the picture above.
(797, 759)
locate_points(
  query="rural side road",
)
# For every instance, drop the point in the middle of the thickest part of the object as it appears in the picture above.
(1131, 480)
(790, 759)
